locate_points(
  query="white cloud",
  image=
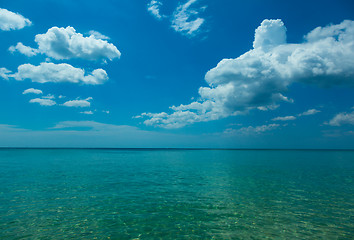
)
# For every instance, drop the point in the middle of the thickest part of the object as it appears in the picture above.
(4, 73)
(186, 20)
(66, 43)
(51, 72)
(78, 103)
(287, 118)
(25, 50)
(87, 112)
(49, 96)
(251, 130)
(342, 119)
(32, 90)
(259, 78)
(154, 9)
(291, 118)
(309, 112)
(269, 34)
(43, 102)
(98, 35)
(96, 126)
(12, 21)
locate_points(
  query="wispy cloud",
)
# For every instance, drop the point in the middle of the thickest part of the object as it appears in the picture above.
(87, 112)
(251, 130)
(186, 19)
(309, 112)
(4, 73)
(291, 118)
(98, 35)
(154, 8)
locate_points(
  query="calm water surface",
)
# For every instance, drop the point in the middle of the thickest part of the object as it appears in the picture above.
(176, 194)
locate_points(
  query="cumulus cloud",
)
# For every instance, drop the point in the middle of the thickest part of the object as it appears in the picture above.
(185, 20)
(78, 103)
(12, 21)
(259, 78)
(269, 34)
(154, 9)
(342, 119)
(251, 130)
(56, 73)
(287, 118)
(25, 50)
(32, 90)
(43, 102)
(66, 43)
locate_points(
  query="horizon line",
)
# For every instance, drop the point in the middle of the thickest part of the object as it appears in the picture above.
(178, 148)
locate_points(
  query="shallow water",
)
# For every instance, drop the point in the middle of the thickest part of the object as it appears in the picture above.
(176, 194)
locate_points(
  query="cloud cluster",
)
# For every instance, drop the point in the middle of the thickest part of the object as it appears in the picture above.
(58, 73)
(60, 44)
(186, 20)
(12, 21)
(66, 43)
(342, 119)
(49, 101)
(259, 78)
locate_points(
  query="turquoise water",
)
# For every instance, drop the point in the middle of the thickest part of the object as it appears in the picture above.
(176, 194)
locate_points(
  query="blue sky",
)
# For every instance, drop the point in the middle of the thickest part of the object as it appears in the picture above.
(197, 73)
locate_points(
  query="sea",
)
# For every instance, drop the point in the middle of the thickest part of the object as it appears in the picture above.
(176, 194)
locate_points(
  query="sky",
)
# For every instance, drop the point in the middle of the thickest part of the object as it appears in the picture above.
(170, 74)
